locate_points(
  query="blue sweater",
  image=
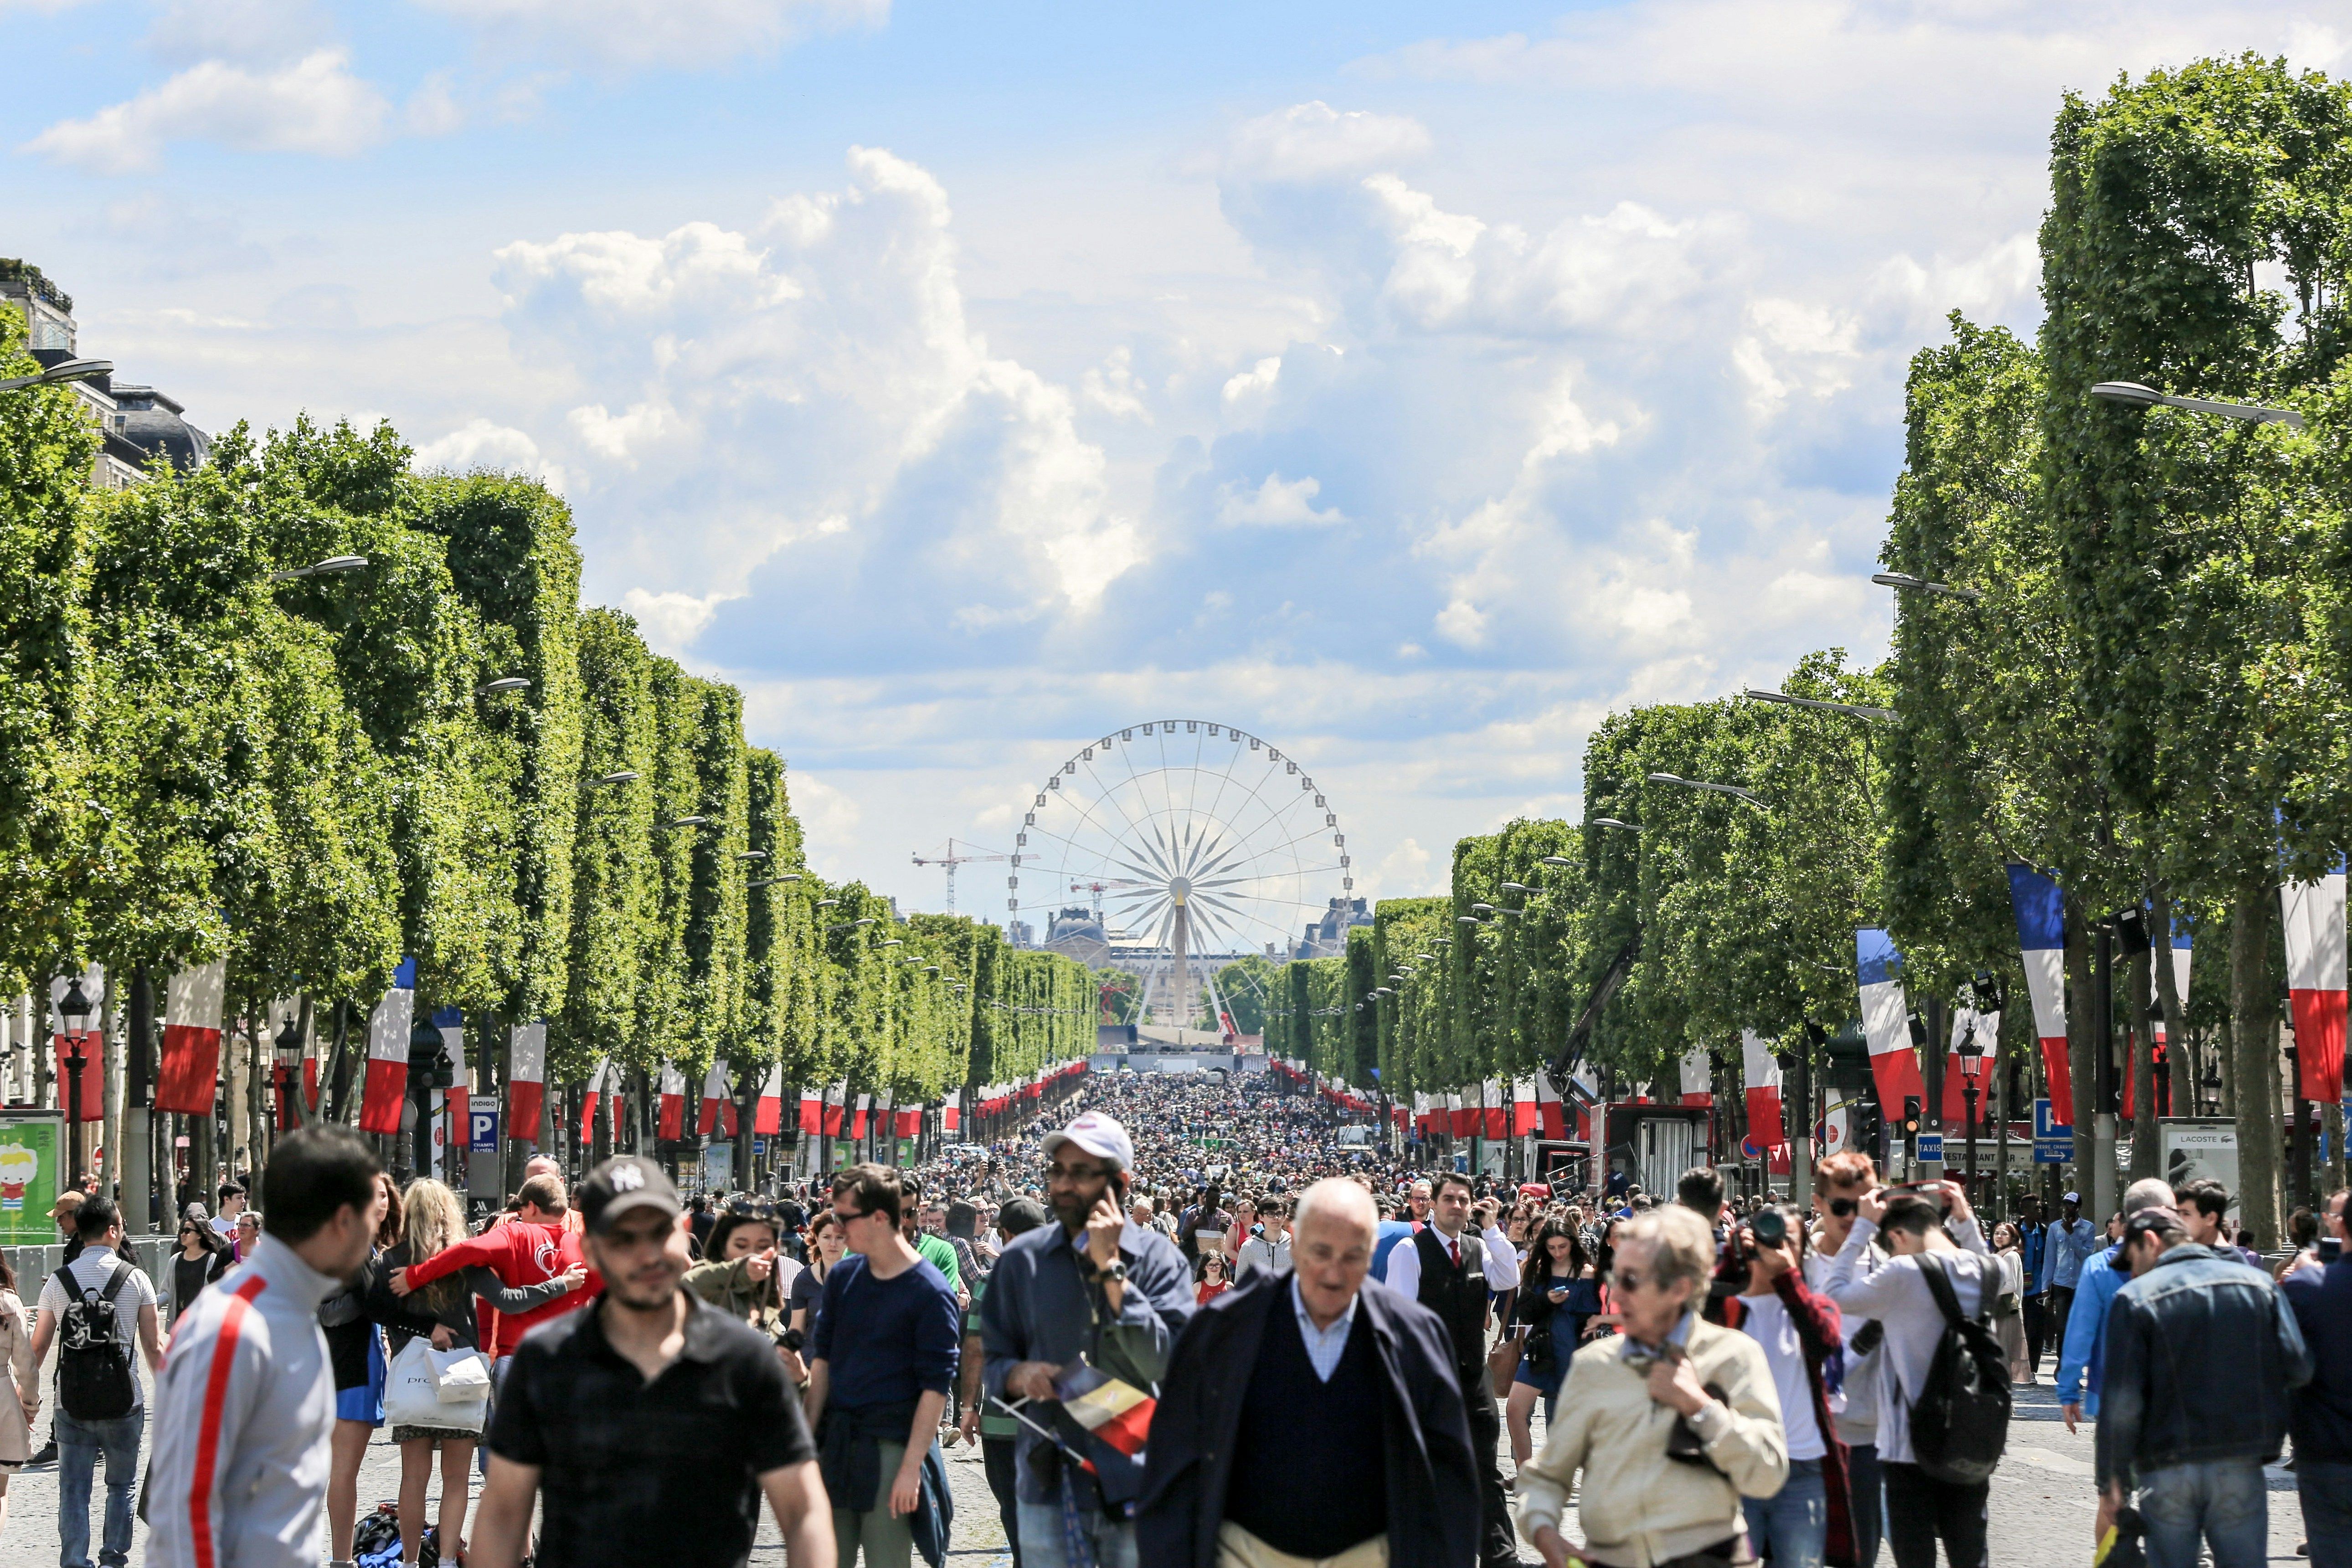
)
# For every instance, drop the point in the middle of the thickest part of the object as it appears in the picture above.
(897, 1340)
(2083, 1353)
(2322, 1420)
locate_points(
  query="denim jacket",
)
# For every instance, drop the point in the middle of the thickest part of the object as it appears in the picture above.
(2201, 1353)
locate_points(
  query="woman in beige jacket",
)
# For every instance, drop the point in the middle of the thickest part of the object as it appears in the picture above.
(1620, 1405)
(22, 1396)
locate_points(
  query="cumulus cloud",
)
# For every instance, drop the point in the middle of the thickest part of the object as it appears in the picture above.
(1277, 503)
(630, 34)
(1314, 140)
(313, 105)
(482, 444)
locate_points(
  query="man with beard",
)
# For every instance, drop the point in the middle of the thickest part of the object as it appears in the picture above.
(1063, 1291)
(653, 1421)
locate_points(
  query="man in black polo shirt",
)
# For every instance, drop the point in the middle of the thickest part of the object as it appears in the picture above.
(653, 1421)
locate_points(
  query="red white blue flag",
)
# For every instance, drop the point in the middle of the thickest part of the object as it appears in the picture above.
(388, 1056)
(187, 1074)
(526, 1079)
(1760, 1072)
(1886, 1019)
(2042, 937)
(2316, 981)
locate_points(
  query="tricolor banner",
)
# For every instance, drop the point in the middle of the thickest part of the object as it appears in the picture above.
(1523, 1117)
(950, 1116)
(450, 1143)
(92, 1035)
(909, 1121)
(2041, 937)
(1886, 1020)
(858, 1122)
(2316, 981)
(187, 1075)
(812, 1112)
(1760, 1072)
(672, 1125)
(716, 1095)
(526, 1079)
(589, 1100)
(1549, 1114)
(836, 1101)
(387, 1052)
(1698, 1076)
(768, 1114)
(1495, 1107)
(1461, 1120)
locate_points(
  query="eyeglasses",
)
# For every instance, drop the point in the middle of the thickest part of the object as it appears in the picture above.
(1626, 1279)
(1843, 1207)
(851, 1214)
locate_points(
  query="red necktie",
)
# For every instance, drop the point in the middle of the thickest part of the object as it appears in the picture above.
(1454, 1248)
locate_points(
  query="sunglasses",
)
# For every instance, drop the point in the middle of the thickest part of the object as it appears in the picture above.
(853, 1214)
(1843, 1207)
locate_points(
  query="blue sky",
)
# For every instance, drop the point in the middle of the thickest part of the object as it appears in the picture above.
(967, 381)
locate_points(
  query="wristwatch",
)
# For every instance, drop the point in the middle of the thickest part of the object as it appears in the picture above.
(1116, 1271)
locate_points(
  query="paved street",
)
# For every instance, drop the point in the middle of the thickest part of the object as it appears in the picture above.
(2042, 1508)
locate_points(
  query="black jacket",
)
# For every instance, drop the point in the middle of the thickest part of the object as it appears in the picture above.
(2201, 1354)
(1433, 1487)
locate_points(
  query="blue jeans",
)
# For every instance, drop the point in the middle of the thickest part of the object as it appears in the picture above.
(2223, 1500)
(78, 1445)
(1041, 1539)
(2326, 1488)
(1792, 1528)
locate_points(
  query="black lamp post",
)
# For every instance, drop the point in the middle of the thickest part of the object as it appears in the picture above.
(287, 1048)
(1972, 1056)
(74, 1010)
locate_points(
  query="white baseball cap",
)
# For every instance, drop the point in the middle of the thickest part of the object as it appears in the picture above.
(2074, 1197)
(1099, 1135)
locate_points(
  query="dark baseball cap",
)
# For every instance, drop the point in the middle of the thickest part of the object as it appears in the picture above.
(622, 1185)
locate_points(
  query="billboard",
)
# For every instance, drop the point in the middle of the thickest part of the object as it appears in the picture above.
(2197, 1147)
(31, 1156)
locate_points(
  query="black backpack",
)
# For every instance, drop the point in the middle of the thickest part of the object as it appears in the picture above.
(94, 1377)
(1959, 1422)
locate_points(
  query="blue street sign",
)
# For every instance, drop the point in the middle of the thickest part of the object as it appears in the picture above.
(2053, 1141)
(482, 1125)
(1931, 1147)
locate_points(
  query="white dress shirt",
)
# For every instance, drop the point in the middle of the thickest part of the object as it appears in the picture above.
(1501, 1262)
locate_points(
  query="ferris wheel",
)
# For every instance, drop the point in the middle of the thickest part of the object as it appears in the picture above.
(1190, 840)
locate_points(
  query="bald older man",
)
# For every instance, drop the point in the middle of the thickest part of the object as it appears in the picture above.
(1345, 1393)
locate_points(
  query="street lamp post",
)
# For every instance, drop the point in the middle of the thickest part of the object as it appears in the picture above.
(1971, 1053)
(333, 566)
(2133, 395)
(1852, 710)
(73, 1010)
(1750, 796)
(59, 374)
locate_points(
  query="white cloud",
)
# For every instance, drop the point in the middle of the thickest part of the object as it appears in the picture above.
(1255, 380)
(1277, 503)
(1314, 140)
(671, 622)
(1112, 387)
(705, 34)
(314, 105)
(484, 444)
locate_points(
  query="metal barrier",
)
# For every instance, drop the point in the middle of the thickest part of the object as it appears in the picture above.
(33, 1265)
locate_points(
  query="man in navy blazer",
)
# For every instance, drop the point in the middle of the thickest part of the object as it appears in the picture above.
(1344, 1390)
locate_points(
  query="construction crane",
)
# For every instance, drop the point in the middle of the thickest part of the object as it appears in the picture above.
(950, 859)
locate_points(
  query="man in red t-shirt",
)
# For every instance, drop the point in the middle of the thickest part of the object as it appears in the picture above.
(532, 1249)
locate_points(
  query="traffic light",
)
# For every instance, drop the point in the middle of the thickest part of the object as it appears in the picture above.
(1865, 1133)
(1910, 1116)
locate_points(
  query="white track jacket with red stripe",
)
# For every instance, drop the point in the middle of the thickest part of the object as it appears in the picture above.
(244, 1407)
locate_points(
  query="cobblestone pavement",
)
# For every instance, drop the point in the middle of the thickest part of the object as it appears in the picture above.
(2042, 1503)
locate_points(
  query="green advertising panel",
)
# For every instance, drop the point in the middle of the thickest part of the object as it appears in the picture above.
(30, 1142)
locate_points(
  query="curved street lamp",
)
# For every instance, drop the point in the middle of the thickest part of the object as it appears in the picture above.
(333, 566)
(606, 781)
(2133, 395)
(1852, 710)
(59, 374)
(1904, 580)
(1748, 795)
(503, 684)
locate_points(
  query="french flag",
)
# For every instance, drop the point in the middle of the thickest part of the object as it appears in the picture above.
(910, 1120)
(1496, 1106)
(950, 1116)
(1886, 1019)
(836, 1099)
(813, 1111)
(673, 1103)
(588, 1100)
(1550, 1115)
(857, 1126)
(768, 1114)
(2316, 979)
(387, 1054)
(1460, 1120)
(2042, 935)
(1523, 1117)
(188, 1072)
(526, 1079)
(714, 1094)
(1698, 1078)
(1760, 1072)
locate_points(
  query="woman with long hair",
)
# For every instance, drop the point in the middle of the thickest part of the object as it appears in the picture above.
(1559, 1293)
(356, 1354)
(742, 1273)
(2008, 1304)
(20, 1399)
(826, 1242)
(433, 1219)
(202, 1257)
(1211, 1275)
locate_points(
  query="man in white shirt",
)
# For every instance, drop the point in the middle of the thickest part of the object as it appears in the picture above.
(232, 1204)
(1453, 1272)
(1270, 1249)
(100, 1271)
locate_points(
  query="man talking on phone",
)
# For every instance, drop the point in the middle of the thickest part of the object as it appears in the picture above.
(1056, 1296)
(1450, 1268)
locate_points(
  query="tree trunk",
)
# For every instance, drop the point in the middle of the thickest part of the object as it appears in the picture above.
(2225, 1058)
(2144, 1160)
(2253, 1005)
(2081, 1043)
(2174, 1007)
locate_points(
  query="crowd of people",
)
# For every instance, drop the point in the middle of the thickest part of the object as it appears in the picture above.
(1185, 1327)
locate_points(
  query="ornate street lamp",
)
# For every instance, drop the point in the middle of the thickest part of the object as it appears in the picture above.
(1972, 1063)
(74, 1010)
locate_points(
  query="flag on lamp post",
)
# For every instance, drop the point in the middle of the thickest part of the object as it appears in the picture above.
(673, 1104)
(714, 1096)
(1551, 1114)
(857, 1124)
(834, 1099)
(2040, 910)
(92, 1073)
(387, 1052)
(2316, 982)
(1524, 1120)
(589, 1098)
(1760, 1072)
(812, 1112)
(187, 1075)
(768, 1114)
(456, 1096)
(526, 1079)
(1495, 1107)
(1886, 1020)
(1698, 1076)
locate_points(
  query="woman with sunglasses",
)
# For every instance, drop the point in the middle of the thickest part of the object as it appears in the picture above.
(1211, 1275)
(202, 1258)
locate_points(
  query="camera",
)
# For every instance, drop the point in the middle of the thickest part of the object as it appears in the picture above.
(792, 1339)
(1768, 1226)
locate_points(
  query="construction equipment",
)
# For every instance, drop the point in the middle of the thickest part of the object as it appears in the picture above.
(950, 859)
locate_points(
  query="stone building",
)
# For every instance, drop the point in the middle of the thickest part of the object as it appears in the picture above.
(137, 423)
